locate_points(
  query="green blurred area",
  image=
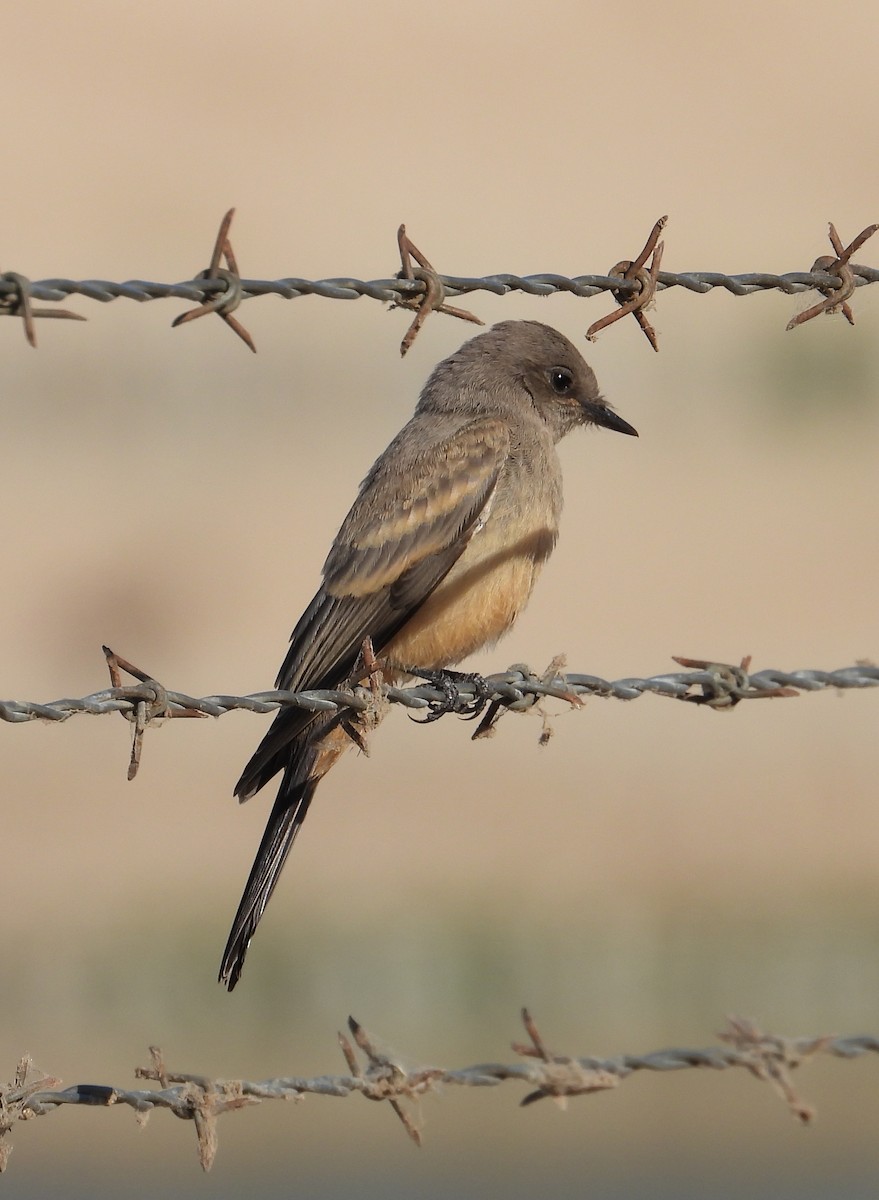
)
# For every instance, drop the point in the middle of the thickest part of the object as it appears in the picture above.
(817, 385)
(460, 973)
(445, 990)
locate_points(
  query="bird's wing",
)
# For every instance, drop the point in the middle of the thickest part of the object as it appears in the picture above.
(409, 525)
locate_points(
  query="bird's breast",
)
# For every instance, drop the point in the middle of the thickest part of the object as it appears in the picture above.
(478, 600)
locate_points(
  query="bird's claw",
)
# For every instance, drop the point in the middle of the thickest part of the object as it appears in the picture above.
(482, 692)
(448, 683)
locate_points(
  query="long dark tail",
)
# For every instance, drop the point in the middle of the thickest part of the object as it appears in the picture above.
(283, 825)
(298, 784)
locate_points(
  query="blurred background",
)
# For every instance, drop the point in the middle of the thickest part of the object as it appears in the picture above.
(172, 495)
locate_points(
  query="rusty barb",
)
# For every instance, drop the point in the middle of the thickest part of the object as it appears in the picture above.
(551, 684)
(433, 298)
(227, 301)
(145, 710)
(18, 304)
(771, 1059)
(195, 1098)
(560, 1075)
(384, 1079)
(635, 302)
(726, 684)
(836, 299)
(15, 1099)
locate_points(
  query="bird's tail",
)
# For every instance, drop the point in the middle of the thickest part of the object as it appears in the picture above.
(288, 813)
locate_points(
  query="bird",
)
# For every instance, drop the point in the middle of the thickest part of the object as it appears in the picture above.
(435, 560)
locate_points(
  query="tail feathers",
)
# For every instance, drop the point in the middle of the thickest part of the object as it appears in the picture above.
(273, 753)
(291, 805)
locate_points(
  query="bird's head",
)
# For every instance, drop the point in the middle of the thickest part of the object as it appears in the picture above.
(561, 385)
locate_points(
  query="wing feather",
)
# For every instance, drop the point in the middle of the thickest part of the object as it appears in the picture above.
(416, 512)
(409, 525)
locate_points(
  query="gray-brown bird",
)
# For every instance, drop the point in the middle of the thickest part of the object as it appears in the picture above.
(436, 558)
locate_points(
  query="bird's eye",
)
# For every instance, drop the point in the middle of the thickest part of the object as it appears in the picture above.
(561, 381)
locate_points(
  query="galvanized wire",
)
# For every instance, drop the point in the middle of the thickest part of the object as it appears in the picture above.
(395, 291)
(517, 688)
(768, 1057)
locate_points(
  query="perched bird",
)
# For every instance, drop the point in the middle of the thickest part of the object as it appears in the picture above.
(436, 558)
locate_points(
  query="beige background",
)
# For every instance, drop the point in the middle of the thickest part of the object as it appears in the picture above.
(170, 494)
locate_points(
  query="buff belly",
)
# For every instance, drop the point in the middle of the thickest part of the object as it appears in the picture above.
(474, 605)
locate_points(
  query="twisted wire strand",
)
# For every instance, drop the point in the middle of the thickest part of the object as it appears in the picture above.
(395, 291)
(515, 689)
(770, 1058)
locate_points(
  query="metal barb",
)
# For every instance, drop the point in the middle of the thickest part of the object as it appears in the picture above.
(433, 298)
(225, 303)
(728, 684)
(561, 1075)
(19, 305)
(383, 1079)
(144, 711)
(836, 299)
(537, 1049)
(637, 301)
(200, 1099)
(771, 1059)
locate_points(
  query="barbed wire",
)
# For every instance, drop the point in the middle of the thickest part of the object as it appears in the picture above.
(222, 289)
(768, 1057)
(396, 291)
(717, 685)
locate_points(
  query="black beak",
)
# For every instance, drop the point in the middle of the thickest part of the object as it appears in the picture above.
(602, 414)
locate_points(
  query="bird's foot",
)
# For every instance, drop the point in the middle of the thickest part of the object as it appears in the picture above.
(448, 683)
